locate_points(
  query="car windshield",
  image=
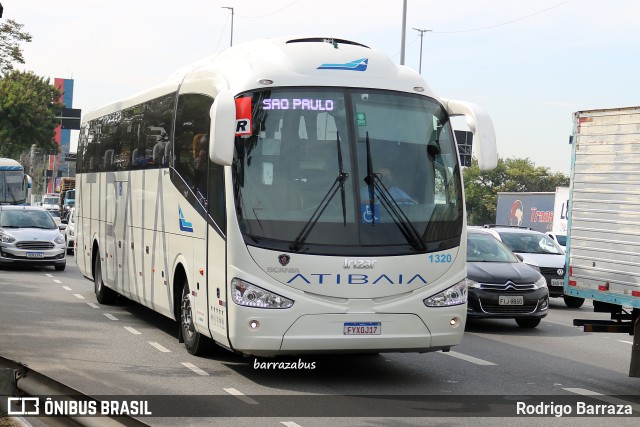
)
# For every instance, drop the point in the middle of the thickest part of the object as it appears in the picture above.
(55, 214)
(337, 171)
(26, 219)
(530, 243)
(50, 201)
(482, 247)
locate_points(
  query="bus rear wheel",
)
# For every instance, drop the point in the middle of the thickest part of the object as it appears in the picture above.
(195, 342)
(104, 295)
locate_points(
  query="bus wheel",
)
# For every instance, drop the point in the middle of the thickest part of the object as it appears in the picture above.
(104, 295)
(196, 343)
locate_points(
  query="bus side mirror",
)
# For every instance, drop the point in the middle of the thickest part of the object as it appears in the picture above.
(222, 133)
(481, 125)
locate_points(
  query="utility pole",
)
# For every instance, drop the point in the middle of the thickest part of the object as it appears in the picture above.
(231, 9)
(404, 30)
(421, 36)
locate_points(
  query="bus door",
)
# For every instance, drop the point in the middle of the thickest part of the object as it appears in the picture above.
(110, 232)
(120, 227)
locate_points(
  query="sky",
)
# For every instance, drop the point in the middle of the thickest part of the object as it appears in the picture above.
(529, 64)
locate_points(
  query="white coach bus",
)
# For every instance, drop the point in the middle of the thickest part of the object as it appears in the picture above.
(286, 196)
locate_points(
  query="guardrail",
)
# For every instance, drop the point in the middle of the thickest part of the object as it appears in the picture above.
(19, 381)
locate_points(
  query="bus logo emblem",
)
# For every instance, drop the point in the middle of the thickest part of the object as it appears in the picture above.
(357, 65)
(184, 224)
(284, 259)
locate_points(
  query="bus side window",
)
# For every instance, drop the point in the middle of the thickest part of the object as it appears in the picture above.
(191, 146)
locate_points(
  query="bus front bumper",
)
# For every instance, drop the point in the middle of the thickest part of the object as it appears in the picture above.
(359, 333)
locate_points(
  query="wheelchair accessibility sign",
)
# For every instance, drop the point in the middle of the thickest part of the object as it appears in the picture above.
(367, 216)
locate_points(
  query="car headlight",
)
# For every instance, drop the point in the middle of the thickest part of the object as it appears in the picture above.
(535, 267)
(59, 240)
(472, 283)
(541, 283)
(455, 295)
(250, 295)
(6, 238)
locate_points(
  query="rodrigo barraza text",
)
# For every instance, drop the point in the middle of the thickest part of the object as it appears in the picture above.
(580, 408)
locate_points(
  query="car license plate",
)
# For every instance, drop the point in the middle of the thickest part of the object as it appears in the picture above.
(511, 300)
(35, 254)
(362, 328)
(557, 282)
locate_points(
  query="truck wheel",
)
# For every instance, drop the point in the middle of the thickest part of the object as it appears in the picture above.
(196, 343)
(104, 295)
(573, 302)
(528, 322)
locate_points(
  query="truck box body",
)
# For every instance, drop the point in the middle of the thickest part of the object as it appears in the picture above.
(604, 210)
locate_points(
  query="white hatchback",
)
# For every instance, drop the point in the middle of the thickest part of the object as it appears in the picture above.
(29, 236)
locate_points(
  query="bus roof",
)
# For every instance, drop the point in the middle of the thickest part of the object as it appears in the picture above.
(285, 61)
(9, 165)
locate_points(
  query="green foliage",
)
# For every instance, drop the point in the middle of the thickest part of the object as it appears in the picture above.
(28, 106)
(10, 38)
(519, 175)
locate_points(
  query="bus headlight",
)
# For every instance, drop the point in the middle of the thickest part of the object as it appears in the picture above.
(250, 295)
(455, 295)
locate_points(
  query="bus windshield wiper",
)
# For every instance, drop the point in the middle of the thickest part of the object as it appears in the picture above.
(376, 185)
(315, 216)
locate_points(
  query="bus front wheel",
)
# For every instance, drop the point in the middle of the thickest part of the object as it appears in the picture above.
(104, 295)
(196, 343)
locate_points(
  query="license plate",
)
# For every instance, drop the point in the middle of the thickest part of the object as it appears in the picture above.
(511, 300)
(557, 282)
(35, 254)
(362, 328)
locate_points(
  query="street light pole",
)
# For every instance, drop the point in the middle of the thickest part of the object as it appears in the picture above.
(421, 36)
(231, 9)
(404, 30)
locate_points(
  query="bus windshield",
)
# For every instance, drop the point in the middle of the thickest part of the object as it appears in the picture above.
(347, 172)
(12, 190)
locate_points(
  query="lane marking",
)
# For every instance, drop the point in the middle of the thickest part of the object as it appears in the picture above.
(90, 304)
(241, 396)
(133, 331)
(57, 281)
(66, 288)
(78, 296)
(159, 347)
(602, 397)
(110, 316)
(626, 342)
(469, 358)
(290, 424)
(48, 274)
(194, 368)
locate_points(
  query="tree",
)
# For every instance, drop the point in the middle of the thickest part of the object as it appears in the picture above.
(517, 175)
(28, 106)
(11, 35)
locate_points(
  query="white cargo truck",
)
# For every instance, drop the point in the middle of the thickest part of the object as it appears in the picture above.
(603, 248)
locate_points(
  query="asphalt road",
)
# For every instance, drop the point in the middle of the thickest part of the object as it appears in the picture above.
(52, 322)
